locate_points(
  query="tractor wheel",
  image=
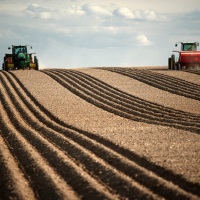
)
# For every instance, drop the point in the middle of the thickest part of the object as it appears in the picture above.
(36, 63)
(178, 66)
(169, 63)
(6, 66)
(173, 64)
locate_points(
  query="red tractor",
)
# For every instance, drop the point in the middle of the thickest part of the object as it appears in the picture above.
(20, 59)
(188, 57)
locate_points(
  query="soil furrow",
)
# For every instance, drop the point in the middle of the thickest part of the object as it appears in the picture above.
(173, 88)
(172, 83)
(90, 145)
(13, 184)
(193, 71)
(131, 101)
(166, 80)
(116, 107)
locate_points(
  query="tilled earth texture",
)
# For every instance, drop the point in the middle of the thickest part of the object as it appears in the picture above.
(100, 133)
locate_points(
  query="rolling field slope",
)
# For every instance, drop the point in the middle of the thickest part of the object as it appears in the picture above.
(100, 133)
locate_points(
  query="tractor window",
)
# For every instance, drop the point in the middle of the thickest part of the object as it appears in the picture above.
(189, 47)
(20, 50)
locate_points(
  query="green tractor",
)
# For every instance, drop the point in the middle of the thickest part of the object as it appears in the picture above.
(20, 59)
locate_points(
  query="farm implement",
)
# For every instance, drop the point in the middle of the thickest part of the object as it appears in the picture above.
(20, 59)
(187, 58)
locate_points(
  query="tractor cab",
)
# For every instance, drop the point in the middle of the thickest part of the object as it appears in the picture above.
(19, 49)
(185, 46)
(20, 53)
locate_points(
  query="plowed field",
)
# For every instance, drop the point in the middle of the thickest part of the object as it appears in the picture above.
(100, 133)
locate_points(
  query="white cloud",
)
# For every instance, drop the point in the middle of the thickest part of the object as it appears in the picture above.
(150, 15)
(125, 13)
(101, 11)
(143, 40)
(75, 10)
(35, 10)
(145, 15)
(96, 9)
(45, 15)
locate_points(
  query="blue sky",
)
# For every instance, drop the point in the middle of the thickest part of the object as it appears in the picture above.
(83, 33)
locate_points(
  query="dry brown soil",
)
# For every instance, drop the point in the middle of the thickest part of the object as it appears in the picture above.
(100, 133)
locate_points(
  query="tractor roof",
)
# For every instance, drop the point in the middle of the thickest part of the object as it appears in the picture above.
(19, 46)
(189, 42)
